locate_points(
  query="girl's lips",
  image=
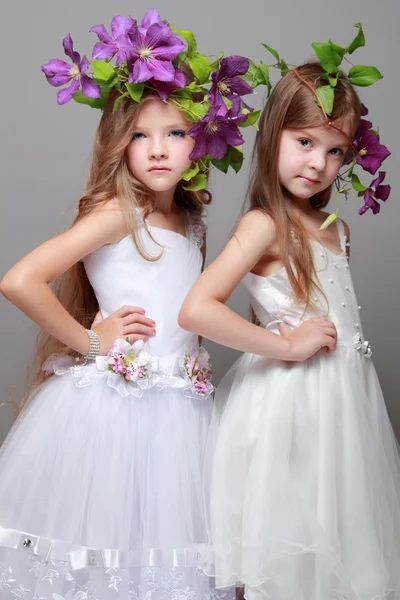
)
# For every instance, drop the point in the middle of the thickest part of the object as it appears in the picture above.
(159, 170)
(308, 181)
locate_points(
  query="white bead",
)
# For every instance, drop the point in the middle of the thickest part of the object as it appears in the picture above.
(330, 280)
(315, 299)
(322, 254)
(357, 325)
(359, 307)
(344, 305)
(347, 266)
(347, 288)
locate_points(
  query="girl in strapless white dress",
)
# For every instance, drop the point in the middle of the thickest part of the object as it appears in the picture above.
(305, 489)
(101, 482)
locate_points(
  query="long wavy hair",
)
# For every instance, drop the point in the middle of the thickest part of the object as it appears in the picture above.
(292, 105)
(109, 178)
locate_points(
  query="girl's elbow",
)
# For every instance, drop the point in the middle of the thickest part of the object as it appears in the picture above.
(12, 286)
(187, 316)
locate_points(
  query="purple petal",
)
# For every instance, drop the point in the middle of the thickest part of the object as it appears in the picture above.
(140, 73)
(69, 50)
(57, 72)
(179, 79)
(231, 133)
(164, 89)
(371, 203)
(240, 87)
(85, 64)
(234, 65)
(65, 95)
(121, 25)
(363, 110)
(103, 51)
(90, 89)
(169, 51)
(378, 180)
(158, 34)
(363, 209)
(217, 146)
(150, 18)
(200, 148)
(102, 34)
(136, 38)
(383, 192)
(161, 70)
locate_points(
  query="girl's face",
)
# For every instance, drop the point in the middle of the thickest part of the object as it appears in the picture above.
(310, 159)
(159, 151)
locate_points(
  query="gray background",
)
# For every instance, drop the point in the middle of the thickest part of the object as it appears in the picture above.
(45, 149)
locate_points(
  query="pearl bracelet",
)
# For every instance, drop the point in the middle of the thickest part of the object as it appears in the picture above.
(94, 345)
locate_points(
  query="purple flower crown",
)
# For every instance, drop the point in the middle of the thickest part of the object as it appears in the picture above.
(153, 55)
(366, 149)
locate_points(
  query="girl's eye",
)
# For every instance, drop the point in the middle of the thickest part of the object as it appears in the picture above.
(178, 133)
(137, 135)
(337, 152)
(305, 143)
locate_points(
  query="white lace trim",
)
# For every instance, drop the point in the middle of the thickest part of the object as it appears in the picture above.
(84, 375)
(196, 225)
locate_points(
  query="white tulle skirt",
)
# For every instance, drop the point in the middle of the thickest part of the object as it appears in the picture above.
(101, 496)
(305, 491)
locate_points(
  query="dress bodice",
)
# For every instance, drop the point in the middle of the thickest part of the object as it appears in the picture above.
(120, 276)
(272, 297)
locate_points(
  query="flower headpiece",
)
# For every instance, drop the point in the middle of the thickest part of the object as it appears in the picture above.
(153, 55)
(366, 149)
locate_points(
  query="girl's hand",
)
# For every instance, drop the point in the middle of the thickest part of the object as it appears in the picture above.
(309, 338)
(126, 322)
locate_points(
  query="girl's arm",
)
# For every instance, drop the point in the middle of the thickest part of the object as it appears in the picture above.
(26, 284)
(205, 313)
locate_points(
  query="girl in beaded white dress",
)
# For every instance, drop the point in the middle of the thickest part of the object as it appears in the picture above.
(305, 487)
(101, 485)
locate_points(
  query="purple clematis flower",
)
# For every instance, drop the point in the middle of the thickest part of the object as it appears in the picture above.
(149, 19)
(58, 72)
(213, 133)
(116, 44)
(165, 89)
(375, 192)
(153, 53)
(226, 83)
(370, 154)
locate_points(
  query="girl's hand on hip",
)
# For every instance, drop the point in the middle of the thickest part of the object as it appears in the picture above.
(126, 322)
(309, 338)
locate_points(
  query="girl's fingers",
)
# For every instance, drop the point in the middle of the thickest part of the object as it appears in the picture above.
(126, 310)
(137, 318)
(135, 337)
(138, 329)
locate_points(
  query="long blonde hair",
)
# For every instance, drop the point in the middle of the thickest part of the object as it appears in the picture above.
(292, 105)
(109, 177)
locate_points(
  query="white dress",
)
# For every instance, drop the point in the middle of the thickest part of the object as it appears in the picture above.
(305, 493)
(100, 481)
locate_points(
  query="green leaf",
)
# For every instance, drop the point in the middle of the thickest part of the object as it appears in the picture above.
(199, 183)
(327, 56)
(364, 75)
(223, 163)
(356, 183)
(119, 100)
(200, 109)
(92, 102)
(251, 73)
(329, 220)
(214, 66)
(272, 51)
(262, 76)
(228, 102)
(358, 41)
(200, 66)
(338, 49)
(334, 79)
(190, 39)
(102, 70)
(135, 90)
(236, 158)
(190, 173)
(252, 118)
(327, 96)
(283, 67)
